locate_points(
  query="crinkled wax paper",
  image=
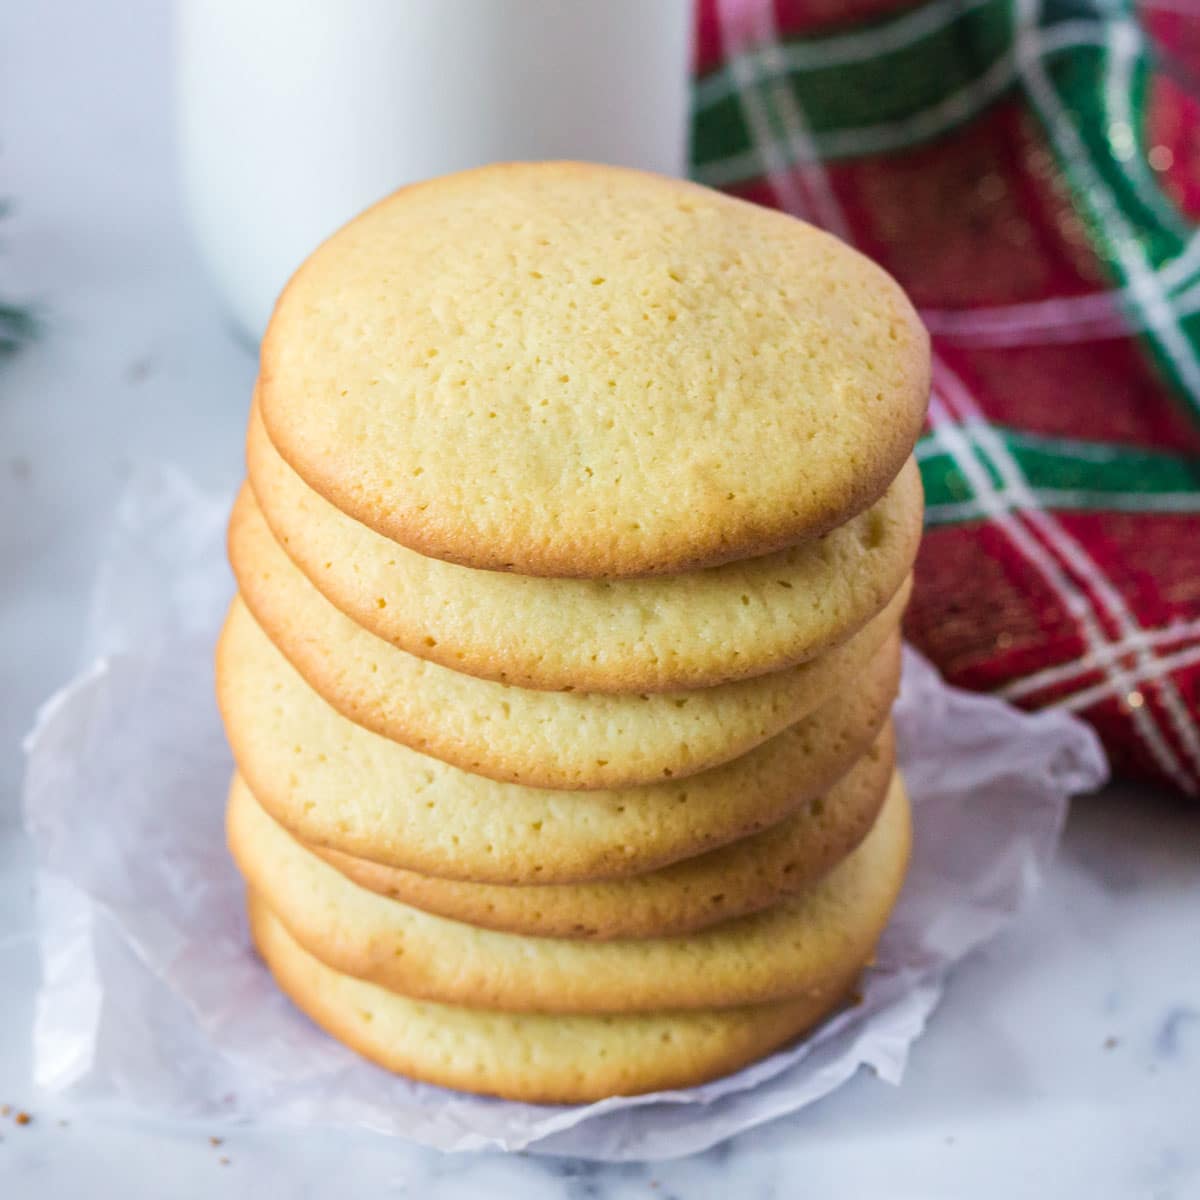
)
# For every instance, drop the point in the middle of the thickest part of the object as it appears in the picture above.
(153, 998)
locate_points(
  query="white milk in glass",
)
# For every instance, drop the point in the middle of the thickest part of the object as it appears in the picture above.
(293, 115)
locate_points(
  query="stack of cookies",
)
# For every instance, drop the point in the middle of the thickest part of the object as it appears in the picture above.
(578, 530)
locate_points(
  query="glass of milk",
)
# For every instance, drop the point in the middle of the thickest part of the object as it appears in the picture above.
(293, 115)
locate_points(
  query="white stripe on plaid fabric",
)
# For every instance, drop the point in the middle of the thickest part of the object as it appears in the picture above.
(1158, 669)
(768, 155)
(801, 192)
(1068, 319)
(1071, 674)
(1089, 185)
(797, 135)
(1187, 302)
(1125, 46)
(837, 50)
(1096, 452)
(1028, 528)
(923, 126)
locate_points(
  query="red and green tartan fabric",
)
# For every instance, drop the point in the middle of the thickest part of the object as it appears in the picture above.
(1030, 171)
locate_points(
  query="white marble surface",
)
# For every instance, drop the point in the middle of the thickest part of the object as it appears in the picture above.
(1065, 1060)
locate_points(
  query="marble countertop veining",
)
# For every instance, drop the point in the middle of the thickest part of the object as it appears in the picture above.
(1065, 1059)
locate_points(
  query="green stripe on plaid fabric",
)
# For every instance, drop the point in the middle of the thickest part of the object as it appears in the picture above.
(1127, 95)
(882, 74)
(1080, 80)
(1066, 476)
(1062, 474)
(1069, 97)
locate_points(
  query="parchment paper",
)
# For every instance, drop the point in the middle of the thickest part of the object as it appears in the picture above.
(152, 997)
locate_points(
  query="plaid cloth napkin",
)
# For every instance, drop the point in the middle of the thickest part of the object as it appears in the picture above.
(1030, 171)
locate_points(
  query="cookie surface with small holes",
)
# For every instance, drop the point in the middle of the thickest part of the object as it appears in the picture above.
(672, 631)
(338, 785)
(574, 370)
(561, 740)
(532, 1057)
(801, 944)
(743, 877)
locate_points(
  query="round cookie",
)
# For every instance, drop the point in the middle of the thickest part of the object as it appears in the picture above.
(532, 1057)
(577, 370)
(668, 632)
(809, 941)
(558, 740)
(739, 878)
(335, 784)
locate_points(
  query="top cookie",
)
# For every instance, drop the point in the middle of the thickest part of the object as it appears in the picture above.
(580, 371)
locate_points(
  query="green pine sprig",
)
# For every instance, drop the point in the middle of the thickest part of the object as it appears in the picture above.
(17, 326)
(18, 323)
